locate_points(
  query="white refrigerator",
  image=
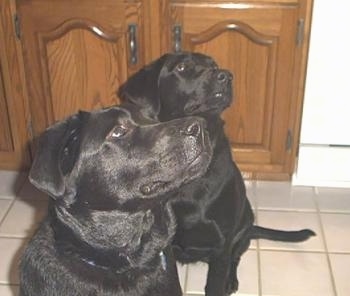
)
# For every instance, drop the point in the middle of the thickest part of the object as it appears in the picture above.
(324, 152)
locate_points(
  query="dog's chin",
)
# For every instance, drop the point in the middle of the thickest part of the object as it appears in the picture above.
(216, 103)
(198, 166)
(194, 169)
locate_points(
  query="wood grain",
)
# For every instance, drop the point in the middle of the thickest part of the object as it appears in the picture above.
(76, 56)
(255, 40)
(14, 152)
(92, 71)
(6, 143)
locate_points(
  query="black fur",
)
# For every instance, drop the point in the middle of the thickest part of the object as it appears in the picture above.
(111, 175)
(215, 220)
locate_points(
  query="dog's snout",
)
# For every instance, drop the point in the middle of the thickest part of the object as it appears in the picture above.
(193, 129)
(223, 76)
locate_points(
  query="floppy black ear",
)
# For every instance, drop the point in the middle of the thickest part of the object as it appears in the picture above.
(57, 152)
(142, 90)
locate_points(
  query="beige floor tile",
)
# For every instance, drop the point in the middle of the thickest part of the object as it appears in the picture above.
(292, 221)
(196, 278)
(23, 218)
(340, 267)
(253, 244)
(10, 250)
(4, 206)
(295, 274)
(236, 294)
(248, 274)
(182, 269)
(337, 231)
(333, 200)
(6, 290)
(251, 189)
(284, 196)
(10, 182)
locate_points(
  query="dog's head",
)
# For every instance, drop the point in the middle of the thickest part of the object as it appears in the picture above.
(178, 85)
(106, 170)
(119, 152)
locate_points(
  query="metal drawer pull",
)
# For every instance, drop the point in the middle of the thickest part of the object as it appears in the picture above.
(133, 43)
(177, 31)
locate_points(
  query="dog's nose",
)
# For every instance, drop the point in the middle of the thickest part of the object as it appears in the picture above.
(193, 129)
(223, 76)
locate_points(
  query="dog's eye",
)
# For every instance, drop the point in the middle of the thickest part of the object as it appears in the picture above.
(181, 67)
(118, 132)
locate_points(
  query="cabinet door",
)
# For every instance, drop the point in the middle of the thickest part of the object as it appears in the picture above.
(257, 42)
(14, 152)
(10, 157)
(76, 54)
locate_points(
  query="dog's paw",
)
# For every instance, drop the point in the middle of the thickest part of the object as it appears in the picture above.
(232, 286)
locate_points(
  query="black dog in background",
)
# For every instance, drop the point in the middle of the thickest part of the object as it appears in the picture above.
(111, 174)
(215, 219)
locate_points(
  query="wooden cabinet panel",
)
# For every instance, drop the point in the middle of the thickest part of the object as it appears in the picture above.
(6, 143)
(76, 54)
(257, 42)
(14, 152)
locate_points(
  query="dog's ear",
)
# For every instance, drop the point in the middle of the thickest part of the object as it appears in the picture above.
(57, 152)
(142, 88)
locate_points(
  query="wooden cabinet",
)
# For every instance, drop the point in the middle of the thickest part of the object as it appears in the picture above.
(263, 43)
(77, 52)
(14, 153)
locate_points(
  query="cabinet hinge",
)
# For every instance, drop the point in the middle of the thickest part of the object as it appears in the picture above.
(177, 32)
(300, 32)
(17, 26)
(30, 128)
(289, 140)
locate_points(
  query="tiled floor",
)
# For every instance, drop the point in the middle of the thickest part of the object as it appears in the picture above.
(318, 267)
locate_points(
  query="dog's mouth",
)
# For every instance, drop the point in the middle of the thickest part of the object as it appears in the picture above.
(158, 186)
(152, 187)
(181, 162)
(218, 95)
(218, 101)
(196, 167)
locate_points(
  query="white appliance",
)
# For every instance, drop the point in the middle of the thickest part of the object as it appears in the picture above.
(324, 153)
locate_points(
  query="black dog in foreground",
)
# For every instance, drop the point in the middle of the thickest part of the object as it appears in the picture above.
(111, 175)
(215, 219)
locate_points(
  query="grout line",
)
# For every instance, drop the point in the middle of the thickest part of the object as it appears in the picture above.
(306, 211)
(258, 249)
(259, 270)
(324, 241)
(339, 253)
(334, 212)
(186, 279)
(7, 211)
(16, 236)
(293, 251)
(257, 243)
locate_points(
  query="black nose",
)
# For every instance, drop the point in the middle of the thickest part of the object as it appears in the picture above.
(223, 76)
(193, 129)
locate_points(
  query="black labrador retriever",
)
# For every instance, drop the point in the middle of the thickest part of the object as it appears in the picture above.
(111, 174)
(215, 219)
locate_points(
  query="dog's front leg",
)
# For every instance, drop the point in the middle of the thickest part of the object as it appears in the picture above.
(238, 249)
(218, 274)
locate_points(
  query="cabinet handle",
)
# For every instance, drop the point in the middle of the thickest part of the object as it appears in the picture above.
(133, 43)
(177, 32)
